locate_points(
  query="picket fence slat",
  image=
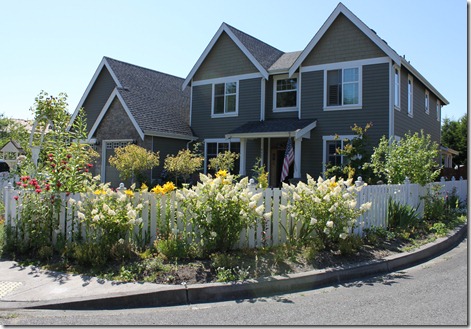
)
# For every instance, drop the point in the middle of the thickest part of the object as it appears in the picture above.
(163, 213)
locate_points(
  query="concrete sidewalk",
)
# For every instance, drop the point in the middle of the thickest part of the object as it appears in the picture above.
(31, 287)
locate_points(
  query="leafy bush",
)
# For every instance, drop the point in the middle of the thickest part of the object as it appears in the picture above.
(183, 164)
(402, 216)
(172, 247)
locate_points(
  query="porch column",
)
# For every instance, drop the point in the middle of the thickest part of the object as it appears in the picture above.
(262, 150)
(243, 156)
(297, 158)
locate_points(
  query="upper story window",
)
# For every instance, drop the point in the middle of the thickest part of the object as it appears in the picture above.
(427, 102)
(225, 100)
(343, 88)
(410, 96)
(285, 96)
(397, 88)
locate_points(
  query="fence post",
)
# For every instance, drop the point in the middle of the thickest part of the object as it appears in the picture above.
(442, 180)
(359, 182)
(121, 187)
(7, 201)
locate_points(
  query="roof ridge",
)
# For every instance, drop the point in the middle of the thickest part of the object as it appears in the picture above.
(250, 36)
(142, 67)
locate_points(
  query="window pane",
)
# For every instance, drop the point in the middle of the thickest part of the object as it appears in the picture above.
(219, 89)
(223, 147)
(286, 84)
(231, 87)
(332, 156)
(350, 93)
(350, 75)
(230, 104)
(286, 99)
(334, 92)
(211, 149)
(218, 104)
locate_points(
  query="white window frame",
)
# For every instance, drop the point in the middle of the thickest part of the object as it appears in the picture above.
(275, 92)
(427, 102)
(225, 114)
(343, 67)
(410, 96)
(397, 87)
(331, 138)
(217, 141)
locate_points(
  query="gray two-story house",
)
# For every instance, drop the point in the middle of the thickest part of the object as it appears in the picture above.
(249, 97)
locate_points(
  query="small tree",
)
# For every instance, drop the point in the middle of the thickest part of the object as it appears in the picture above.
(132, 160)
(183, 164)
(355, 155)
(223, 161)
(414, 156)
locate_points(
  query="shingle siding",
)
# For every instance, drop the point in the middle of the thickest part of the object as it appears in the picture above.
(224, 59)
(98, 95)
(343, 41)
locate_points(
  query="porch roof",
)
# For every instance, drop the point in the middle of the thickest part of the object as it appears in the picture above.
(297, 128)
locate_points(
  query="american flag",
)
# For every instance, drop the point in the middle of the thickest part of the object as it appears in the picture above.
(288, 160)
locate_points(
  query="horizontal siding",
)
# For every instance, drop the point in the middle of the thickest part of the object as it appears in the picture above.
(403, 123)
(206, 127)
(224, 59)
(98, 95)
(343, 41)
(375, 109)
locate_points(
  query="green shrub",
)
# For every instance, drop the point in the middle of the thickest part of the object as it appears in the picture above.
(173, 247)
(401, 216)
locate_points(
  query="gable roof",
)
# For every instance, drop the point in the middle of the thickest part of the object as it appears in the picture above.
(153, 100)
(261, 54)
(395, 57)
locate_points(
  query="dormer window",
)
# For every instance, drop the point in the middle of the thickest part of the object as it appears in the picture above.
(285, 96)
(225, 99)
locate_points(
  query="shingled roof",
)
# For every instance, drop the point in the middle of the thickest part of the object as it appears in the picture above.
(155, 99)
(265, 54)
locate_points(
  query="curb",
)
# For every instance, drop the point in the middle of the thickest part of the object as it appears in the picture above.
(216, 292)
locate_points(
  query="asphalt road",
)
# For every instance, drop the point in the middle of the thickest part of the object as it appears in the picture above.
(432, 293)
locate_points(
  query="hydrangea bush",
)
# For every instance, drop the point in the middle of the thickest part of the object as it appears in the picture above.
(324, 209)
(219, 208)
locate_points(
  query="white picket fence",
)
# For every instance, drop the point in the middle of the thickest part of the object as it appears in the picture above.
(156, 213)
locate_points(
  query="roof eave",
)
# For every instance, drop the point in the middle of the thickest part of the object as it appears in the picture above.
(341, 9)
(223, 28)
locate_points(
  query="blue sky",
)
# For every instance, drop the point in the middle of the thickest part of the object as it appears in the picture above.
(56, 46)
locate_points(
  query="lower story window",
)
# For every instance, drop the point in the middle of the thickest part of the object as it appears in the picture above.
(213, 148)
(331, 145)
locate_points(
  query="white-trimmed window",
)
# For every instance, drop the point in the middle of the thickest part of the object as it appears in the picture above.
(285, 93)
(225, 100)
(331, 144)
(343, 88)
(397, 88)
(427, 102)
(212, 147)
(410, 96)
(439, 108)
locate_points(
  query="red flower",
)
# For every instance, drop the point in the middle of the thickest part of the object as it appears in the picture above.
(67, 193)
(50, 155)
(16, 197)
(58, 184)
(69, 156)
(25, 178)
(38, 190)
(47, 187)
(89, 165)
(18, 183)
(25, 185)
(86, 170)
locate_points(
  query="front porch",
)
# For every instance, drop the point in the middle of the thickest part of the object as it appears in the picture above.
(272, 137)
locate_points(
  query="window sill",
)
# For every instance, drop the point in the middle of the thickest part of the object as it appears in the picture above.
(340, 108)
(410, 115)
(225, 115)
(285, 109)
(397, 108)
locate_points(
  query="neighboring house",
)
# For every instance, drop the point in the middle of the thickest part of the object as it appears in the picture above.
(125, 104)
(249, 97)
(10, 153)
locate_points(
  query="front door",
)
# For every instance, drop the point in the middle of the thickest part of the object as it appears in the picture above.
(277, 154)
